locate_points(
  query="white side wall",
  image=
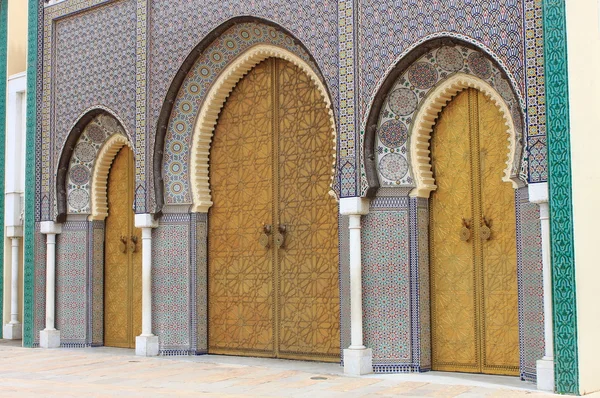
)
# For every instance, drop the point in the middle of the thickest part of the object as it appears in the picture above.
(583, 41)
(15, 181)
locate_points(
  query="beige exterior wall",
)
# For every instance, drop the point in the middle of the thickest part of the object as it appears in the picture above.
(17, 36)
(583, 40)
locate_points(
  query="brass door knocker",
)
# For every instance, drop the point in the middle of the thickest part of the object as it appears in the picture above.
(486, 230)
(123, 244)
(264, 239)
(133, 244)
(280, 236)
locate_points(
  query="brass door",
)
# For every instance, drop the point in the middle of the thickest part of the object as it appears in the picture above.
(473, 241)
(122, 258)
(273, 264)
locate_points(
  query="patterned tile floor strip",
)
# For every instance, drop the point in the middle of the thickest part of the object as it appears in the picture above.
(106, 372)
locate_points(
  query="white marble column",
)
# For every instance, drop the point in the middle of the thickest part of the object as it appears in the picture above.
(13, 191)
(14, 330)
(538, 193)
(50, 337)
(146, 344)
(358, 360)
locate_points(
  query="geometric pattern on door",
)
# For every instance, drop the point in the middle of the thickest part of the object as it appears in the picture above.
(122, 259)
(272, 234)
(473, 257)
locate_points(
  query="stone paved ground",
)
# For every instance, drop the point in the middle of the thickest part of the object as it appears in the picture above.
(105, 372)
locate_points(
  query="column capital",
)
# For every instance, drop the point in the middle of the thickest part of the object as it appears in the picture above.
(145, 221)
(14, 231)
(538, 192)
(354, 206)
(50, 227)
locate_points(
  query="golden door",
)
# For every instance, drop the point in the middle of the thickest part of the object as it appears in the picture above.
(473, 241)
(272, 246)
(122, 258)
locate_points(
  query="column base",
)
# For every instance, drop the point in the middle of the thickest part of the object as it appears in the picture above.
(50, 338)
(358, 362)
(13, 331)
(146, 346)
(545, 374)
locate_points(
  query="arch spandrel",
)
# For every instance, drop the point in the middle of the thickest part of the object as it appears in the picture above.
(181, 177)
(397, 146)
(79, 159)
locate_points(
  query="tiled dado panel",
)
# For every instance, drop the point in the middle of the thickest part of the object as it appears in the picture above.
(387, 309)
(172, 283)
(72, 296)
(96, 280)
(200, 228)
(531, 289)
(39, 285)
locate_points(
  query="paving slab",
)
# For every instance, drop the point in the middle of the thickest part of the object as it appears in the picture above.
(110, 372)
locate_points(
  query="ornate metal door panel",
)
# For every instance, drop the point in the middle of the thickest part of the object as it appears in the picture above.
(122, 262)
(454, 335)
(308, 259)
(241, 181)
(273, 282)
(500, 298)
(473, 246)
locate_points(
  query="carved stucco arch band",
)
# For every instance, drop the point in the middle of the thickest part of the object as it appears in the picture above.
(215, 99)
(98, 194)
(425, 120)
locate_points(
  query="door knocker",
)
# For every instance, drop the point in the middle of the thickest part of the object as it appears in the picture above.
(133, 244)
(264, 239)
(465, 230)
(280, 236)
(123, 245)
(486, 231)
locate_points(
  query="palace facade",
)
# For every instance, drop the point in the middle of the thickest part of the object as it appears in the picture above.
(396, 186)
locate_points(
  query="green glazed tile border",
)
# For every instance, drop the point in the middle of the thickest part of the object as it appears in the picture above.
(3, 77)
(28, 232)
(566, 373)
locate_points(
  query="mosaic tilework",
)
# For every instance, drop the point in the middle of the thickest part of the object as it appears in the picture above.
(141, 99)
(536, 93)
(72, 283)
(348, 98)
(96, 281)
(201, 239)
(424, 294)
(412, 87)
(386, 287)
(32, 181)
(175, 31)
(79, 176)
(39, 286)
(3, 65)
(89, 62)
(388, 31)
(171, 310)
(566, 359)
(531, 289)
(210, 64)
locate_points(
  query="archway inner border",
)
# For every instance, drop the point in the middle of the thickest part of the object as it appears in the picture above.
(426, 118)
(105, 158)
(215, 99)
